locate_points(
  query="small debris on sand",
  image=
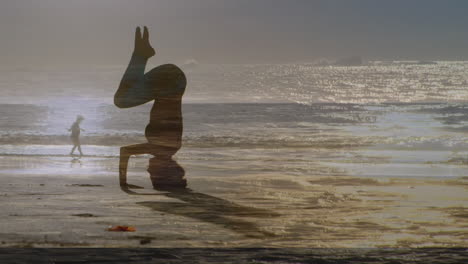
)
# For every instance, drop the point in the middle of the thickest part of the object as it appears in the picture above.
(84, 215)
(86, 185)
(122, 229)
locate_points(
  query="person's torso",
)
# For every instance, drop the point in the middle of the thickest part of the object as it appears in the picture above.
(75, 129)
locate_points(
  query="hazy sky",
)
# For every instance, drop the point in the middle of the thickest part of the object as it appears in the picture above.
(231, 31)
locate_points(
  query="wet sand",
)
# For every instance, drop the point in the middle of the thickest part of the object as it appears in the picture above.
(60, 207)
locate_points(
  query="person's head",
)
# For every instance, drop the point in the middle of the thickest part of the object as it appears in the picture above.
(79, 118)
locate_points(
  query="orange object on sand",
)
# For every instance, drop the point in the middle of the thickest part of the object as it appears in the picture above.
(122, 229)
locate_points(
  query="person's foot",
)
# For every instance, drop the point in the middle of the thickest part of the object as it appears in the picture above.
(142, 45)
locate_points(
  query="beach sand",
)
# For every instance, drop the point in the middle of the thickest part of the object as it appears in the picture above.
(61, 203)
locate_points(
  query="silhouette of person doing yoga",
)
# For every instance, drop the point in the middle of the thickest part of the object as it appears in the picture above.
(165, 85)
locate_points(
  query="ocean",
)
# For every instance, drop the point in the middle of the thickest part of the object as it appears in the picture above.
(384, 119)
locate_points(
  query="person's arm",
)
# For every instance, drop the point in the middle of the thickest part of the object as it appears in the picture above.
(133, 90)
(125, 153)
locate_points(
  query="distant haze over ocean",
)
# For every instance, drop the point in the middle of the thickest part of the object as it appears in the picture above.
(304, 83)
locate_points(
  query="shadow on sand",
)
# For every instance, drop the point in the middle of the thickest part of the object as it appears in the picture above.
(212, 210)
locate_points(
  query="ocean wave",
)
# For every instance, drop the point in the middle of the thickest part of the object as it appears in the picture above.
(429, 143)
(56, 155)
(102, 140)
(261, 140)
